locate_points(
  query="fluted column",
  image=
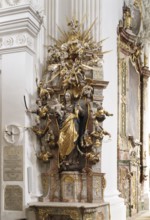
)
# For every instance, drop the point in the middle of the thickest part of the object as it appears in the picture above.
(85, 11)
(88, 11)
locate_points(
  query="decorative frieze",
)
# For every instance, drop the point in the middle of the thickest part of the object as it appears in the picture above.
(17, 40)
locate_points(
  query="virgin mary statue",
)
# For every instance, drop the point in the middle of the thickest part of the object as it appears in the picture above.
(69, 131)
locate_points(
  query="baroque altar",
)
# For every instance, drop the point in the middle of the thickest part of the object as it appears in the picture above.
(68, 125)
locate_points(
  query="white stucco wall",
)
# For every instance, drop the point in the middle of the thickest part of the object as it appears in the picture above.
(109, 21)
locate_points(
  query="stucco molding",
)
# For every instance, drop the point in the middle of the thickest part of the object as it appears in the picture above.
(19, 27)
(16, 41)
(23, 18)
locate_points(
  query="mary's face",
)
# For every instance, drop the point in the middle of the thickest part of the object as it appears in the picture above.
(67, 96)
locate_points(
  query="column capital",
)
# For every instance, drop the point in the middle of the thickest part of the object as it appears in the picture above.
(19, 27)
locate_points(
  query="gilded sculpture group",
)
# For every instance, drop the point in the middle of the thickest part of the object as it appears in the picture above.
(66, 120)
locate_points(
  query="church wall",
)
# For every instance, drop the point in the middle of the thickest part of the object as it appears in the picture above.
(24, 76)
(109, 22)
(17, 50)
(14, 83)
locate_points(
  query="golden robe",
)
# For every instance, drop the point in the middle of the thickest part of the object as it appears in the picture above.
(68, 136)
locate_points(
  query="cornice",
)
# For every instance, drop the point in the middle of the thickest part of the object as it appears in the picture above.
(19, 28)
(16, 50)
(20, 18)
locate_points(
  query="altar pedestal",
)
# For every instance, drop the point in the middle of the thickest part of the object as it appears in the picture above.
(70, 211)
(73, 186)
(70, 187)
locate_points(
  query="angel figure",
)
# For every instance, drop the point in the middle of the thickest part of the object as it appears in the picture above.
(45, 156)
(93, 157)
(99, 133)
(43, 93)
(86, 140)
(100, 114)
(40, 132)
(41, 112)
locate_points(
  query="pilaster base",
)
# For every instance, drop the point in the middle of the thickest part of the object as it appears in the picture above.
(117, 207)
(146, 205)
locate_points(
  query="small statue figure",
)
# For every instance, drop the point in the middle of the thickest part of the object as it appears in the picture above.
(74, 24)
(92, 157)
(99, 132)
(73, 80)
(43, 93)
(87, 92)
(86, 140)
(127, 19)
(101, 114)
(41, 112)
(97, 143)
(58, 108)
(51, 139)
(44, 156)
(40, 132)
(137, 53)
